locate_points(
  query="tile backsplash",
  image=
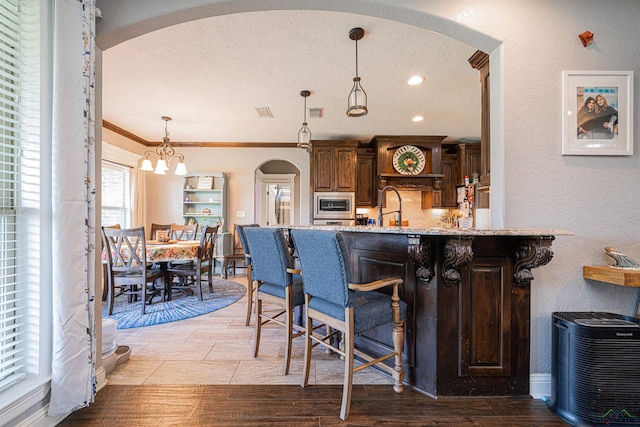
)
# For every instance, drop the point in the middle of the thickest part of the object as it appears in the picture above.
(411, 210)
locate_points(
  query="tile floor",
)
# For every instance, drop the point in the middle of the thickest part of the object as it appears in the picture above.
(217, 348)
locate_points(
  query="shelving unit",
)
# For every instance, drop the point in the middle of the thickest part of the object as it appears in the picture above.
(204, 202)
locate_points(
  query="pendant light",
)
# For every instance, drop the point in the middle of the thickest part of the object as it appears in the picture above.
(357, 103)
(165, 153)
(304, 135)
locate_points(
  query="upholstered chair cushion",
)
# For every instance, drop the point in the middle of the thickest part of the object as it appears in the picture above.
(278, 291)
(371, 309)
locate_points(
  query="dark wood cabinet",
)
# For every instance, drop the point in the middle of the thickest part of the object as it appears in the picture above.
(445, 197)
(485, 318)
(469, 161)
(458, 161)
(333, 165)
(366, 194)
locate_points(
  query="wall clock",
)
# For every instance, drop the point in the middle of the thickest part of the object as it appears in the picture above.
(408, 160)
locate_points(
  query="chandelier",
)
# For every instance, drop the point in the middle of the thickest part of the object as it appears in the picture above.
(165, 153)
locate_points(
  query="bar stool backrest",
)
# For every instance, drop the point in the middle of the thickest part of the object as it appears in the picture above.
(270, 256)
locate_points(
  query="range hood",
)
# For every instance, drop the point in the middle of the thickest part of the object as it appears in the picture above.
(409, 162)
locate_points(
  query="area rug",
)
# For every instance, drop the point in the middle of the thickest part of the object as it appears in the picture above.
(225, 292)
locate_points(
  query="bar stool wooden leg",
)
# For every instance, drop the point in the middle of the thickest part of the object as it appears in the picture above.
(348, 364)
(256, 343)
(398, 342)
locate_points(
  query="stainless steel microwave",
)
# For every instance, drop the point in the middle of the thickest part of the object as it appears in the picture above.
(334, 205)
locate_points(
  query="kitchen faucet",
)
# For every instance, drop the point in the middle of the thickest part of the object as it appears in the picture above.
(399, 211)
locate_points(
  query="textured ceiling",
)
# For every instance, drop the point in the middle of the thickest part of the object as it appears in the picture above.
(209, 75)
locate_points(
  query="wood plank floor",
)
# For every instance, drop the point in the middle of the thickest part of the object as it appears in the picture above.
(200, 372)
(289, 405)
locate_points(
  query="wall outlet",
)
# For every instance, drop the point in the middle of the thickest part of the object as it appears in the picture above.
(239, 214)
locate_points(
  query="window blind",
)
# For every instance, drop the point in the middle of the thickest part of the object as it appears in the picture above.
(115, 195)
(19, 188)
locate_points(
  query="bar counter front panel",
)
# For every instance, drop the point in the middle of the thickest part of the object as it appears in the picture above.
(468, 298)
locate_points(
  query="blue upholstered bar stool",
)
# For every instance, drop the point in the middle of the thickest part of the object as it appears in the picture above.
(331, 298)
(251, 288)
(272, 270)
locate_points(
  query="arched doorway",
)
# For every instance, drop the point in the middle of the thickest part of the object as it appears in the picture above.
(277, 193)
(135, 21)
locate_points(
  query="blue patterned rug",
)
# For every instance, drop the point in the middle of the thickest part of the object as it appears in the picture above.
(225, 292)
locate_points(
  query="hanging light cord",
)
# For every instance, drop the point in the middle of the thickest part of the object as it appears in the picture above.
(356, 57)
(305, 110)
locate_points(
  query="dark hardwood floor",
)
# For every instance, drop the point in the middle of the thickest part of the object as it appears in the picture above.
(291, 405)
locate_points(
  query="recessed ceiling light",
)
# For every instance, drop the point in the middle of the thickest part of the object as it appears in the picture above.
(417, 119)
(415, 80)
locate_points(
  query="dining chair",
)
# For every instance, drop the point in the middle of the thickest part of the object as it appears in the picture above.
(183, 232)
(191, 273)
(251, 284)
(235, 256)
(331, 298)
(272, 270)
(127, 266)
(158, 227)
(105, 271)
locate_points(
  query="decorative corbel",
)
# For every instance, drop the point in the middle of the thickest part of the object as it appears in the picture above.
(382, 182)
(531, 252)
(457, 251)
(420, 254)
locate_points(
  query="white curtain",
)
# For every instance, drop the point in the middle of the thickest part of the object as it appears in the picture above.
(73, 382)
(139, 199)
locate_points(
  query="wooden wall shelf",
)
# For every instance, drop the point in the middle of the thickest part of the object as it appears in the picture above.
(614, 275)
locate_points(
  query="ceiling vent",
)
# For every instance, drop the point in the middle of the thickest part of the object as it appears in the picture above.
(264, 112)
(315, 113)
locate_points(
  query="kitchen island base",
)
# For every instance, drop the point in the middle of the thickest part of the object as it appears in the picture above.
(468, 297)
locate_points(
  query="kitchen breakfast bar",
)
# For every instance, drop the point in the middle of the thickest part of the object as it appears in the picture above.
(468, 297)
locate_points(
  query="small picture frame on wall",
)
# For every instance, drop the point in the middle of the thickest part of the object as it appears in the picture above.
(597, 113)
(205, 183)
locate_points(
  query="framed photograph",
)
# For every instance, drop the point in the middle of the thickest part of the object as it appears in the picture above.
(205, 183)
(597, 113)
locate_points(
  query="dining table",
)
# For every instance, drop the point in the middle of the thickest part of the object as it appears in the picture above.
(172, 250)
(161, 253)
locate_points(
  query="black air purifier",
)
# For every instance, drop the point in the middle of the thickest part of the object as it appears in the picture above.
(595, 369)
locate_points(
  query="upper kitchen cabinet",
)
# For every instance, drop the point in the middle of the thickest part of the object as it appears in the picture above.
(409, 162)
(446, 196)
(333, 165)
(366, 180)
(458, 161)
(469, 161)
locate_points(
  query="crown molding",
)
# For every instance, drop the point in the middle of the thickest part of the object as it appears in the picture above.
(215, 144)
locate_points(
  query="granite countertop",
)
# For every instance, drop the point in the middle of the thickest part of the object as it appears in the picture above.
(437, 231)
